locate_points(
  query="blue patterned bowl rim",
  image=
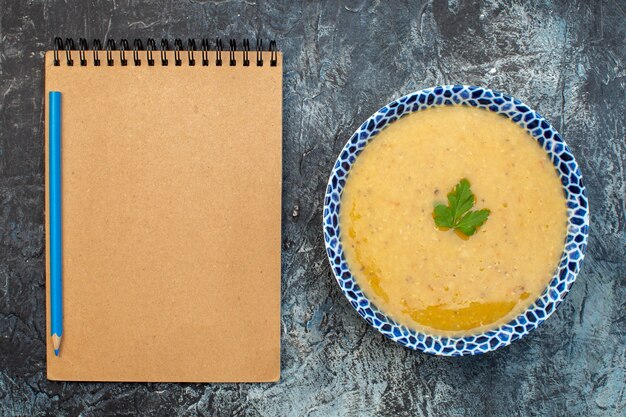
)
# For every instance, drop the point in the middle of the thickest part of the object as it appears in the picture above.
(577, 219)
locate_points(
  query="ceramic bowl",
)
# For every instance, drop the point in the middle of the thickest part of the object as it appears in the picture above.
(577, 219)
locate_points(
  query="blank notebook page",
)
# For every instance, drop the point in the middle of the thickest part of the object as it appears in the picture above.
(171, 216)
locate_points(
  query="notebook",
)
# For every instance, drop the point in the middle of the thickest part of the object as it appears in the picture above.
(171, 211)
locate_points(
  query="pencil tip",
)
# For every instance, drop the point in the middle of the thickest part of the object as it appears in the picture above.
(56, 352)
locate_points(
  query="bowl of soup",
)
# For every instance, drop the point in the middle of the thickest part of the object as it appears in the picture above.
(455, 220)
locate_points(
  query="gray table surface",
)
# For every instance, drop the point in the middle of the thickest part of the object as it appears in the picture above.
(343, 60)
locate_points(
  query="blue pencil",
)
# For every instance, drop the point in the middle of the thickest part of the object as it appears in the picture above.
(56, 249)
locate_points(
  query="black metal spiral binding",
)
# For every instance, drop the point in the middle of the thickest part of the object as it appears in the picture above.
(137, 46)
(259, 52)
(58, 44)
(231, 53)
(191, 47)
(139, 54)
(69, 45)
(164, 48)
(273, 54)
(219, 47)
(123, 48)
(82, 47)
(205, 52)
(246, 53)
(97, 46)
(110, 47)
(150, 47)
(178, 45)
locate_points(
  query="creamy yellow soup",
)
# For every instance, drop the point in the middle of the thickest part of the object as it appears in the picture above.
(433, 280)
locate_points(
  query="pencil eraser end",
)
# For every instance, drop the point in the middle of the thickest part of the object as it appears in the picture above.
(56, 352)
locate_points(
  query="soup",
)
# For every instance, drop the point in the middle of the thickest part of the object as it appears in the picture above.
(435, 280)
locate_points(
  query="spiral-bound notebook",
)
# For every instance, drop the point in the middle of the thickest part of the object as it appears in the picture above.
(171, 211)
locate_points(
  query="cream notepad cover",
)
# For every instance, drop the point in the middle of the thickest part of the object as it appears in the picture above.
(171, 217)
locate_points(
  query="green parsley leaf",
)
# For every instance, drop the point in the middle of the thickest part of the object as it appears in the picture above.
(468, 223)
(443, 216)
(457, 214)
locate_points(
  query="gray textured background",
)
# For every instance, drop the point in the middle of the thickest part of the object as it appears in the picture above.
(343, 60)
